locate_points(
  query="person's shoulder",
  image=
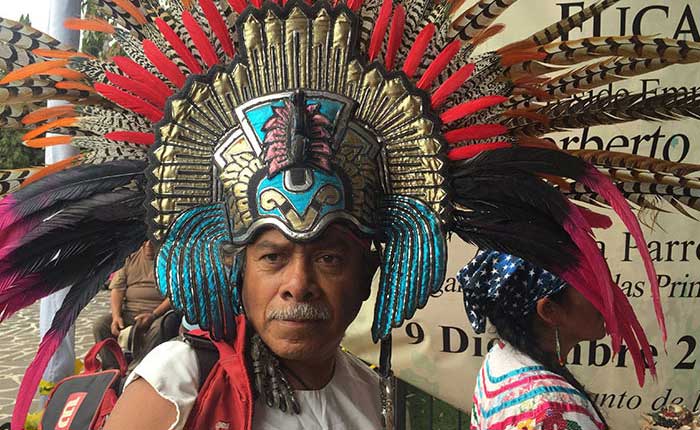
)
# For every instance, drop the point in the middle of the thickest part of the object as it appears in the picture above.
(174, 360)
(544, 397)
(172, 350)
(172, 371)
(134, 256)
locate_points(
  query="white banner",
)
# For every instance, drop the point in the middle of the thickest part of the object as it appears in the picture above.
(440, 353)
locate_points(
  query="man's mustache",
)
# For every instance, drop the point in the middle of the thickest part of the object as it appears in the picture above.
(300, 312)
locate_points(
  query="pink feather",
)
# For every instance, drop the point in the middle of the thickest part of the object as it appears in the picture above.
(439, 64)
(395, 34)
(179, 46)
(7, 216)
(10, 236)
(599, 183)
(467, 108)
(48, 346)
(580, 232)
(415, 54)
(217, 24)
(375, 44)
(595, 219)
(130, 102)
(629, 320)
(164, 64)
(19, 291)
(452, 84)
(200, 39)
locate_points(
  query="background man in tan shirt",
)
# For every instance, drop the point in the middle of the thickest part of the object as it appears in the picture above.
(135, 301)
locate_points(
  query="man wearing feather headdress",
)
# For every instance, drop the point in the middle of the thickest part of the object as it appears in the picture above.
(227, 123)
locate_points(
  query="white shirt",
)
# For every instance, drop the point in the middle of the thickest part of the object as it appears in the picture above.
(350, 401)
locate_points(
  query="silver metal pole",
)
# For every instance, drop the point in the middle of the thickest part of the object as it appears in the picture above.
(62, 364)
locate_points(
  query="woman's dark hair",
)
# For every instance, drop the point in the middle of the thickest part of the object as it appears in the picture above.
(519, 333)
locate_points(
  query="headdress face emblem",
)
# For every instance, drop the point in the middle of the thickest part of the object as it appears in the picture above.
(297, 185)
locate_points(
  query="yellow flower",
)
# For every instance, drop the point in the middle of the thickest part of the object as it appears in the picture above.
(528, 424)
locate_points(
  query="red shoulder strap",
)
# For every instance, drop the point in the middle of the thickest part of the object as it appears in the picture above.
(93, 365)
(225, 399)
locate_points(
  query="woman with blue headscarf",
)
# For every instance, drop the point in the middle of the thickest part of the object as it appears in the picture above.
(523, 383)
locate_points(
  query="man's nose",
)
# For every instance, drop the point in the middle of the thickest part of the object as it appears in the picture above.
(299, 283)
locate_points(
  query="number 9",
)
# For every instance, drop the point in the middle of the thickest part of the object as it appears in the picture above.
(415, 332)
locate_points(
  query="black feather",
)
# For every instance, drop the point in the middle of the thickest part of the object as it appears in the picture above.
(72, 184)
(525, 159)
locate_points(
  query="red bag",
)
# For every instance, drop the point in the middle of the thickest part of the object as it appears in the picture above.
(83, 402)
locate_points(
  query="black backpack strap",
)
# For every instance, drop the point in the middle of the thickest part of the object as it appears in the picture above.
(207, 354)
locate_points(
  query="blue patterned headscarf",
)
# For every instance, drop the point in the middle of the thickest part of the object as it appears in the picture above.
(516, 284)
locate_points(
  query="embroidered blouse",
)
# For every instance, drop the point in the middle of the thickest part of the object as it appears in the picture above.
(515, 392)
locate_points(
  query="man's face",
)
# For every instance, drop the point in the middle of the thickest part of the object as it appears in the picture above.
(300, 297)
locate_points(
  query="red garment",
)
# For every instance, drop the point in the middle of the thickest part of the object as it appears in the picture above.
(225, 400)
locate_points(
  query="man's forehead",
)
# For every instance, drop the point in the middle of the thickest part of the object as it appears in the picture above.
(335, 236)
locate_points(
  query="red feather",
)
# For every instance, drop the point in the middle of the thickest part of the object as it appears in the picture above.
(439, 64)
(354, 5)
(136, 88)
(163, 63)
(395, 35)
(200, 39)
(179, 46)
(469, 151)
(256, 3)
(415, 55)
(474, 132)
(451, 85)
(217, 24)
(133, 137)
(467, 108)
(238, 5)
(138, 73)
(130, 102)
(375, 44)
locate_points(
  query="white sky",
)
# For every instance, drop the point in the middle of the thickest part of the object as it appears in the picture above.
(38, 11)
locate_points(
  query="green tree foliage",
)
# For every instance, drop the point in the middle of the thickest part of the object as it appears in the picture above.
(93, 43)
(97, 44)
(14, 155)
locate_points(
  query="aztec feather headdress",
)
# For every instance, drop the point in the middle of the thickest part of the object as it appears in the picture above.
(224, 117)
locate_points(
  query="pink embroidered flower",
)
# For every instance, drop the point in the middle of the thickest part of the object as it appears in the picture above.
(553, 420)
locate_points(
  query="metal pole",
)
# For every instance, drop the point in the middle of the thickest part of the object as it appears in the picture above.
(62, 364)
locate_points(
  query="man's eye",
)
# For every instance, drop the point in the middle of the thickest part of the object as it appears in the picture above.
(272, 258)
(331, 259)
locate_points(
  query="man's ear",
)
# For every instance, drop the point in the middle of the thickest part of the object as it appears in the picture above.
(549, 311)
